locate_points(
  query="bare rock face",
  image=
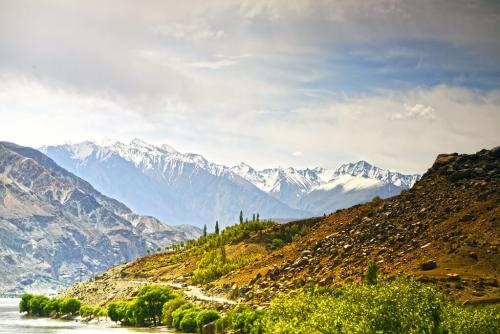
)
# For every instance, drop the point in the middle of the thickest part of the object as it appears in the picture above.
(55, 228)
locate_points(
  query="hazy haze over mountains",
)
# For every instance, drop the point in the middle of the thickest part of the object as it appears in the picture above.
(187, 188)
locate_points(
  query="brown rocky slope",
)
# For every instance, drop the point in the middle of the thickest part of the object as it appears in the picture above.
(443, 231)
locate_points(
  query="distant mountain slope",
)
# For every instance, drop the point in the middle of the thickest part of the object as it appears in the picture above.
(178, 188)
(53, 223)
(186, 188)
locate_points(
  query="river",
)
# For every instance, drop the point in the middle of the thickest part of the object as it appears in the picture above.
(11, 322)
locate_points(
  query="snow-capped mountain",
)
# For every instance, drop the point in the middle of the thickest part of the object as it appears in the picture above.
(55, 227)
(184, 188)
(324, 190)
(178, 188)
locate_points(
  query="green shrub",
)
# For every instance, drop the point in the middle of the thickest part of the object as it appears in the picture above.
(215, 264)
(472, 320)
(246, 320)
(87, 312)
(391, 307)
(188, 323)
(371, 273)
(178, 314)
(53, 307)
(37, 304)
(205, 317)
(70, 306)
(24, 303)
(169, 307)
(117, 311)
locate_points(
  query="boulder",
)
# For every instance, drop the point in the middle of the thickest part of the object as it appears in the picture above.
(208, 328)
(428, 265)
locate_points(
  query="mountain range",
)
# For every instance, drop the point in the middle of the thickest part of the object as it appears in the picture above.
(186, 188)
(56, 228)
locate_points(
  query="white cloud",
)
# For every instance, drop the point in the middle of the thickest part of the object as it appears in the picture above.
(213, 65)
(34, 114)
(414, 111)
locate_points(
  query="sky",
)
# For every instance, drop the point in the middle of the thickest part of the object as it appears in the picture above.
(267, 82)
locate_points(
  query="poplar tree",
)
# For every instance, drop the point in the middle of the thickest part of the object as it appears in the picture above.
(216, 227)
(205, 230)
(241, 217)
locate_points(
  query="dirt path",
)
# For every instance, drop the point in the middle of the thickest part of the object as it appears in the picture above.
(191, 291)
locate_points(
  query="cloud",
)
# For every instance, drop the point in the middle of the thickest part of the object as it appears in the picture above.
(297, 154)
(191, 32)
(414, 111)
(213, 65)
(254, 80)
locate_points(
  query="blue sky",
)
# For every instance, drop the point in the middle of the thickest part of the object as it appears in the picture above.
(268, 82)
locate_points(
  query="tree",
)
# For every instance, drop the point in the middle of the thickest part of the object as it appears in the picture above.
(24, 304)
(87, 312)
(70, 306)
(253, 217)
(152, 298)
(258, 217)
(223, 254)
(37, 305)
(205, 231)
(241, 217)
(216, 227)
(371, 273)
(53, 307)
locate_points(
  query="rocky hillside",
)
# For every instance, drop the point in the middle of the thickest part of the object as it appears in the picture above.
(56, 228)
(443, 231)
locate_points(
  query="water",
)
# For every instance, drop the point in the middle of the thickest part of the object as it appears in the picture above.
(11, 322)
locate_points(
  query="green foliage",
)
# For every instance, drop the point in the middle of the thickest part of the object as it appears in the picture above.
(277, 243)
(43, 306)
(241, 217)
(472, 320)
(151, 299)
(400, 306)
(216, 264)
(376, 199)
(53, 308)
(217, 227)
(145, 309)
(243, 319)
(205, 317)
(87, 312)
(205, 230)
(371, 273)
(36, 305)
(24, 303)
(169, 307)
(70, 306)
(188, 323)
(179, 314)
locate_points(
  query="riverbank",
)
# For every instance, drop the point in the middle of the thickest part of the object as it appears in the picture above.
(11, 321)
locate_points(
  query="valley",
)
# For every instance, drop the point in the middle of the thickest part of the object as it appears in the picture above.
(443, 233)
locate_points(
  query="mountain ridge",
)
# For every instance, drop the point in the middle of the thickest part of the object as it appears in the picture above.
(55, 227)
(169, 177)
